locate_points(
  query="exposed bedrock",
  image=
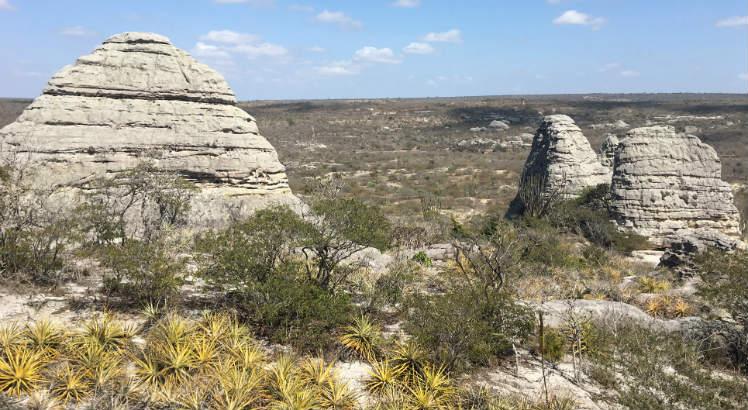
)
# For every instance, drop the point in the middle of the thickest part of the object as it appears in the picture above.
(138, 98)
(668, 186)
(561, 163)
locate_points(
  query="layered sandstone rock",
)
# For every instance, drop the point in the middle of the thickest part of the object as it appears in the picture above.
(668, 186)
(562, 159)
(138, 98)
(608, 151)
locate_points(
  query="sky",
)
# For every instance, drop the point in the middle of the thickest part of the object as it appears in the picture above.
(319, 49)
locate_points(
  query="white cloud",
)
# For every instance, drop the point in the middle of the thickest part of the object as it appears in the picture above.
(419, 48)
(229, 37)
(339, 68)
(629, 73)
(736, 21)
(76, 31)
(210, 51)
(376, 55)
(5, 5)
(451, 36)
(254, 3)
(574, 17)
(316, 49)
(261, 50)
(301, 8)
(408, 4)
(226, 44)
(341, 19)
(743, 76)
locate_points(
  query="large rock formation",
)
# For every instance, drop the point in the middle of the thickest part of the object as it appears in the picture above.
(137, 98)
(562, 162)
(668, 186)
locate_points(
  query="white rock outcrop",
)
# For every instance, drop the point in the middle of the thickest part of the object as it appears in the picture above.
(608, 151)
(136, 98)
(562, 159)
(668, 186)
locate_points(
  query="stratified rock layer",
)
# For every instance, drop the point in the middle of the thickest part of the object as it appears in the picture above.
(563, 160)
(668, 186)
(138, 98)
(608, 151)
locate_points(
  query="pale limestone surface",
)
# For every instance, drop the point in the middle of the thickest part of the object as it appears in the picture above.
(138, 98)
(608, 151)
(563, 158)
(668, 186)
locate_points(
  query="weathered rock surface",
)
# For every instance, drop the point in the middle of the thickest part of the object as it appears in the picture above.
(136, 98)
(667, 186)
(562, 159)
(608, 151)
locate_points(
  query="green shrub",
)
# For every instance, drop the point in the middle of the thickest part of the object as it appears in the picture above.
(141, 272)
(289, 311)
(337, 230)
(389, 288)
(662, 371)
(553, 345)
(33, 238)
(588, 216)
(137, 203)
(252, 249)
(422, 259)
(725, 285)
(462, 328)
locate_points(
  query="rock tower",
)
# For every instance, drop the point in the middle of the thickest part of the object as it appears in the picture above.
(562, 159)
(668, 186)
(138, 97)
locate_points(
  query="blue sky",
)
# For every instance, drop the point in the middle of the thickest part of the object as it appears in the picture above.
(298, 49)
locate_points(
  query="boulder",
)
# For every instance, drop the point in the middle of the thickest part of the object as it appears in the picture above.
(499, 125)
(667, 186)
(562, 160)
(138, 98)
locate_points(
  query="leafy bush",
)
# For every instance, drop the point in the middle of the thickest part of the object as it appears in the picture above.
(389, 288)
(553, 345)
(141, 272)
(337, 230)
(251, 250)
(725, 285)
(463, 328)
(423, 259)
(661, 370)
(290, 311)
(588, 216)
(33, 236)
(138, 203)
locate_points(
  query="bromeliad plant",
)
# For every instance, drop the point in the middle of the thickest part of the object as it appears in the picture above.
(209, 363)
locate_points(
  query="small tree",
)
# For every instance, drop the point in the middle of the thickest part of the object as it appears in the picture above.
(135, 204)
(486, 258)
(337, 229)
(33, 234)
